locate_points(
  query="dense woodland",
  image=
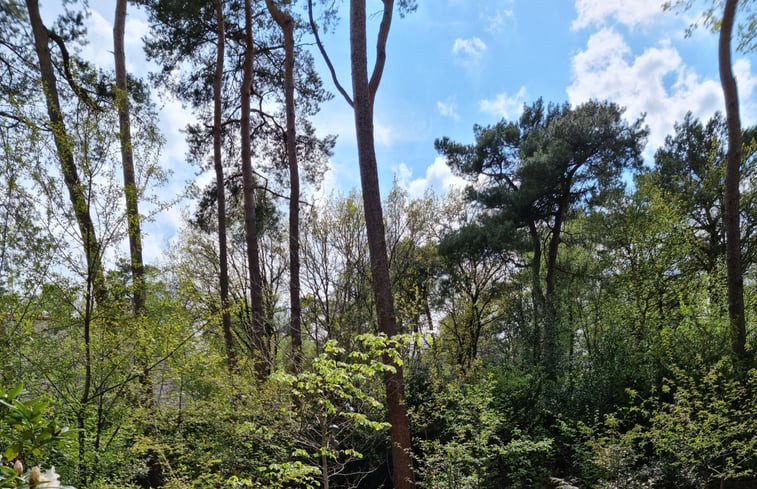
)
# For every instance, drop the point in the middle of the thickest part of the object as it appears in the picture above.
(576, 317)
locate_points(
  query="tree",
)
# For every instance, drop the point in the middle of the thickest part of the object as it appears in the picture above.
(411, 228)
(732, 194)
(183, 35)
(259, 327)
(223, 266)
(537, 171)
(724, 25)
(362, 102)
(92, 250)
(127, 158)
(336, 271)
(286, 23)
(689, 168)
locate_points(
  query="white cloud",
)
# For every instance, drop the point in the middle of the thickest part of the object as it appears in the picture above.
(627, 12)
(448, 109)
(472, 48)
(503, 105)
(100, 47)
(747, 81)
(438, 177)
(100, 35)
(384, 134)
(498, 17)
(656, 82)
(172, 121)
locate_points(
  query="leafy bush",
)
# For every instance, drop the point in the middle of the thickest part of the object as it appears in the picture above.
(698, 430)
(28, 433)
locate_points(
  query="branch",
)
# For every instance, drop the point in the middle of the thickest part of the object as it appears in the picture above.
(281, 196)
(8, 115)
(325, 55)
(165, 357)
(79, 91)
(383, 35)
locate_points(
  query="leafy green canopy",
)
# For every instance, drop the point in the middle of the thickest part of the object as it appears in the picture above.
(539, 167)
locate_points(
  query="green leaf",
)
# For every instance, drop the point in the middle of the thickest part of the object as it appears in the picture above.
(11, 453)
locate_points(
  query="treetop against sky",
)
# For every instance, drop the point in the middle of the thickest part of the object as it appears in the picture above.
(455, 63)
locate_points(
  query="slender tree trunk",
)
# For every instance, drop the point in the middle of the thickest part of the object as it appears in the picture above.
(324, 456)
(537, 295)
(64, 152)
(95, 292)
(551, 353)
(223, 259)
(154, 467)
(81, 413)
(259, 334)
(363, 94)
(732, 204)
(285, 21)
(127, 159)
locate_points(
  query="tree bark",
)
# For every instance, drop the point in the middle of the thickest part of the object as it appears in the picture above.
(127, 159)
(364, 92)
(259, 334)
(223, 259)
(285, 21)
(732, 205)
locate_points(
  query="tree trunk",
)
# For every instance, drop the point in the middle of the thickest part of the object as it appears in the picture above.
(258, 333)
(95, 290)
(363, 96)
(732, 204)
(223, 259)
(65, 156)
(551, 353)
(537, 295)
(285, 21)
(127, 159)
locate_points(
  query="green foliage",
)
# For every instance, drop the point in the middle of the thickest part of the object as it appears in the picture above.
(28, 434)
(32, 432)
(698, 428)
(336, 405)
(710, 17)
(461, 439)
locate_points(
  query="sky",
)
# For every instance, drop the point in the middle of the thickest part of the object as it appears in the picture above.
(455, 63)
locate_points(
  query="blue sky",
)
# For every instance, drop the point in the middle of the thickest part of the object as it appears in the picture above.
(456, 63)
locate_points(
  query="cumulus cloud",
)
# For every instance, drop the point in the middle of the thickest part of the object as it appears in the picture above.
(656, 82)
(448, 108)
(504, 105)
(627, 12)
(472, 48)
(438, 177)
